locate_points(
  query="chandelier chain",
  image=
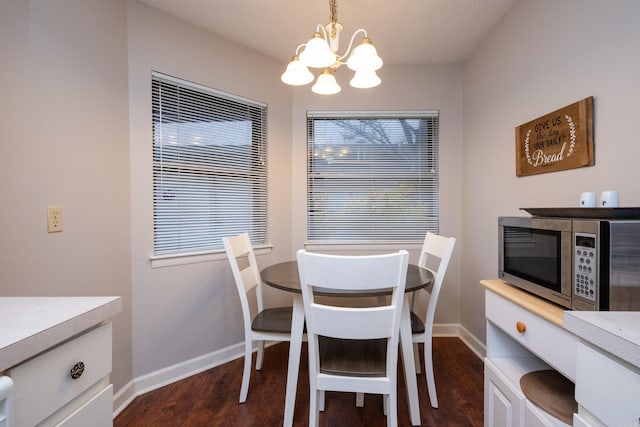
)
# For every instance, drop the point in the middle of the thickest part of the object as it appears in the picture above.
(333, 10)
(333, 16)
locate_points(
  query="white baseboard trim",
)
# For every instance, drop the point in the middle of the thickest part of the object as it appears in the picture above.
(446, 330)
(123, 397)
(477, 346)
(154, 380)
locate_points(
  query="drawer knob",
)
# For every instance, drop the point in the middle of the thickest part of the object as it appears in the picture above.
(77, 370)
(521, 327)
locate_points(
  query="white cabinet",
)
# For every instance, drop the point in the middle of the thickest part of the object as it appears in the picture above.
(66, 383)
(6, 401)
(580, 421)
(535, 417)
(518, 342)
(598, 351)
(606, 388)
(55, 361)
(97, 412)
(502, 401)
(530, 336)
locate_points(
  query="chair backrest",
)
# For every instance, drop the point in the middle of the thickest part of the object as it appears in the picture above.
(439, 247)
(353, 274)
(246, 273)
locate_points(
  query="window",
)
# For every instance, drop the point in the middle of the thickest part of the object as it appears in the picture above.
(209, 167)
(371, 178)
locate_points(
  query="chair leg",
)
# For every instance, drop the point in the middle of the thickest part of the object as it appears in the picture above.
(321, 400)
(392, 412)
(260, 355)
(416, 356)
(314, 403)
(246, 373)
(428, 367)
(359, 400)
(385, 404)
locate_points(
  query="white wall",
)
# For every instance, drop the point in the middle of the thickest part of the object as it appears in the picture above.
(187, 311)
(63, 141)
(544, 55)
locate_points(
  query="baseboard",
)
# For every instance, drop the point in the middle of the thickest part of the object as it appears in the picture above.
(477, 346)
(446, 330)
(154, 380)
(457, 330)
(124, 397)
(171, 374)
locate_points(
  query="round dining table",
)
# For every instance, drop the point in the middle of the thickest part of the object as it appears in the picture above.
(285, 276)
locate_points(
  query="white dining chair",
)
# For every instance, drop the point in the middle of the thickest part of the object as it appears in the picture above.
(352, 348)
(435, 255)
(263, 324)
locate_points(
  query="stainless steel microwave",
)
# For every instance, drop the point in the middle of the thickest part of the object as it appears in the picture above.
(580, 264)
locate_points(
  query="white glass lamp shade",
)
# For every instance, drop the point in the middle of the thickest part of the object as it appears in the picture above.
(326, 84)
(365, 79)
(364, 57)
(296, 74)
(317, 53)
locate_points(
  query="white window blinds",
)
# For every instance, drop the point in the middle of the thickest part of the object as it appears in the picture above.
(209, 167)
(372, 177)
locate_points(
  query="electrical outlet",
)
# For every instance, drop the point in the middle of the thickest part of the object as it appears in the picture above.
(54, 219)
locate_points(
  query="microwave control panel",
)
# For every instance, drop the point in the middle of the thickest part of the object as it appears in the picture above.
(584, 266)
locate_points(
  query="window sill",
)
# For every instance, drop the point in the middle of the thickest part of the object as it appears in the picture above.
(159, 261)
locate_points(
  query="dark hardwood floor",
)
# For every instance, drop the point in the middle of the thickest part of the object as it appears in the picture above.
(211, 397)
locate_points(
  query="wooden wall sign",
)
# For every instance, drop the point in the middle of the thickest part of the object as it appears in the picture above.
(557, 141)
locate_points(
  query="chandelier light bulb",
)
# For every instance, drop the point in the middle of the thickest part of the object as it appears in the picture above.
(326, 84)
(364, 57)
(296, 74)
(317, 53)
(365, 79)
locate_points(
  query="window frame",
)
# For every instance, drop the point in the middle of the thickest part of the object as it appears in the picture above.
(212, 163)
(432, 143)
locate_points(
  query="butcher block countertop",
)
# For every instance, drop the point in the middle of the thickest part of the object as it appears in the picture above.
(616, 332)
(547, 310)
(30, 325)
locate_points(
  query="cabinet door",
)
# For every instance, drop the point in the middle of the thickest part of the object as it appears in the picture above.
(97, 412)
(531, 418)
(536, 417)
(502, 404)
(606, 388)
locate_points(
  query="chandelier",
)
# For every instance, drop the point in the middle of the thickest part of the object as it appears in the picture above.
(321, 52)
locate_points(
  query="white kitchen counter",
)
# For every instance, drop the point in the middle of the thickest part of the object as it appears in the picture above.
(616, 332)
(30, 325)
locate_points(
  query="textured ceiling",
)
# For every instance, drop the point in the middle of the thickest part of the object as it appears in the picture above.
(403, 31)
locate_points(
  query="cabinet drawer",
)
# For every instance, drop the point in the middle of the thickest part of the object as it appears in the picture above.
(546, 340)
(44, 384)
(97, 412)
(607, 389)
